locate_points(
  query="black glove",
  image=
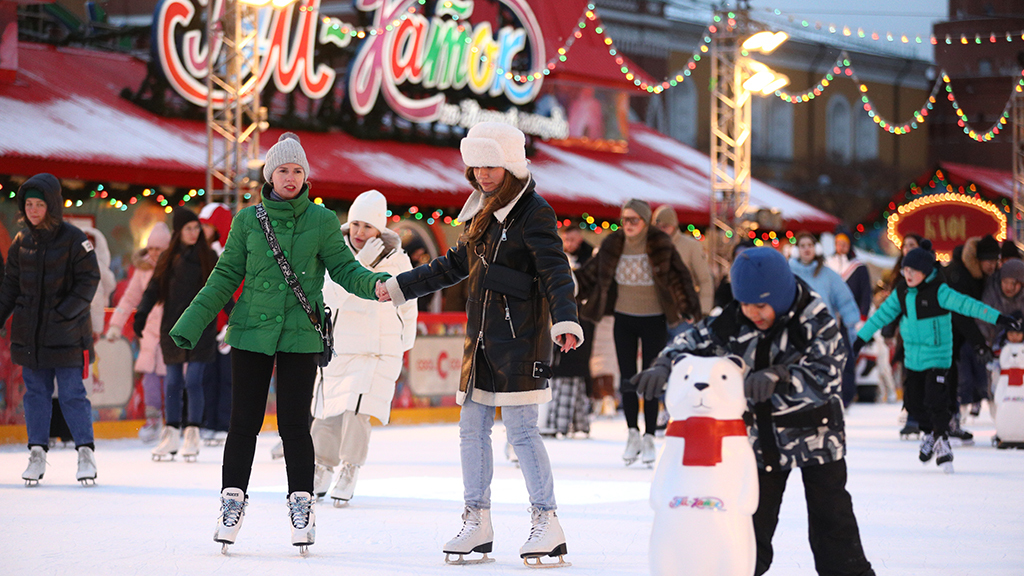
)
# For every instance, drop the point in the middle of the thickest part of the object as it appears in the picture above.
(650, 383)
(1009, 323)
(984, 354)
(759, 386)
(858, 344)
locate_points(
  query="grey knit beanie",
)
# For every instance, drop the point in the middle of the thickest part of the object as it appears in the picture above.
(641, 207)
(288, 150)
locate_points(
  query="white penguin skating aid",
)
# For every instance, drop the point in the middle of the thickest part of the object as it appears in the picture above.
(476, 536)
(546, 539)
(300, 512)
(1009, 398)
(705, 487)
(232, 510)
(36, 466)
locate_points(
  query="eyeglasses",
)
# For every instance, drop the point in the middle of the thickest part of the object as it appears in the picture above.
(631, 220)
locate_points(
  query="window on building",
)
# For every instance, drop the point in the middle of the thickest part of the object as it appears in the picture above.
(839, 139)
(984, 67)
(771, 124)
(681, 105)
(865, 137)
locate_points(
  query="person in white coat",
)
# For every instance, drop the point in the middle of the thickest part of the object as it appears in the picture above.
(370, 339)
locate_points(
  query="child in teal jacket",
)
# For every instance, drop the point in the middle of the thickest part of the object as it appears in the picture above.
(923, 307)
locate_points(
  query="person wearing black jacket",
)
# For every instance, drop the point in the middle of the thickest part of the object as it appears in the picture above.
(49, 282)
(518, 280)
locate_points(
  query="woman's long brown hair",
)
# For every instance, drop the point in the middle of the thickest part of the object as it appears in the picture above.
(506, 192)
(818, 258)
(207, 260)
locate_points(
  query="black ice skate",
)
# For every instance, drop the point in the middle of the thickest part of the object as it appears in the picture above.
(944, 454)
(910, 431)
(956, 431)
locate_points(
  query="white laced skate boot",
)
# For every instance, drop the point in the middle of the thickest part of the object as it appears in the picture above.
(927, 447)
(190, 446)
(649, 453)
(232, 510)
(345, 484)
(168, 445)
(476, 535)
(300, 512)
(322, 480)
(633, 447)
(36, 466)
(150, 431)
(86, 466)
(277, 451)
(546, 539)
(944, 454)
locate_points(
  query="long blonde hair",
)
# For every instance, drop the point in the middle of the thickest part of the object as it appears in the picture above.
(508, 189)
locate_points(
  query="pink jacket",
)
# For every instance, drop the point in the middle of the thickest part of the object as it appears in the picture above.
(150, 358)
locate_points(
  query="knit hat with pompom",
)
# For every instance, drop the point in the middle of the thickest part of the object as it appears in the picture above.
(288, 150)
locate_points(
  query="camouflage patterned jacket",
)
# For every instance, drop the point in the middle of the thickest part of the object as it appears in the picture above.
(806, 416)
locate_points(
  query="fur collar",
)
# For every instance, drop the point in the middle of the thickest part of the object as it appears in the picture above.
(475, 203)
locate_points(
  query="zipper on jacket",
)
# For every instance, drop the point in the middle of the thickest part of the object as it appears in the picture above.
(483, 309)
(508, 316)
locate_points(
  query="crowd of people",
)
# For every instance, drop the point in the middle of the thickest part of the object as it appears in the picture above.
(558, 332)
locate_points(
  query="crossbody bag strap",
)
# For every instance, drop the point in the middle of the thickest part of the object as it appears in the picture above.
(286, 269)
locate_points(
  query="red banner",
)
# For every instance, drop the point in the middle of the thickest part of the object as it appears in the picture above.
(948, 220)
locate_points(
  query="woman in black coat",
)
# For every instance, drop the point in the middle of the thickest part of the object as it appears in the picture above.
(50, 279)
(519, 283)
(180, 273)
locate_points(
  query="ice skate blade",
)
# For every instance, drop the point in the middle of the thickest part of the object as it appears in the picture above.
(31, 483)
(303, 549)
(630, 461)
(224, 548)
(537, 563)
(462, 561)
(954, 441)
(339, 503)
(160, 457)
(947, 467)
(190, 457)
(87, 482)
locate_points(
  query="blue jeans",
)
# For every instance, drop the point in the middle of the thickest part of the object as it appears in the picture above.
(475, 424)
(73, 403)
(193, 383)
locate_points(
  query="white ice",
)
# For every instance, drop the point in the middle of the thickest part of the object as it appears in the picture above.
(155, 519)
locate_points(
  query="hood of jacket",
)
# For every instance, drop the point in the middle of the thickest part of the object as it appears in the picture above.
(50, 187)
(969, 257)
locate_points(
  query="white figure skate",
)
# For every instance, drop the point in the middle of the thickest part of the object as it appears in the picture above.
(648, 453)
(169, 443)
(300, 512)
(345, 484)
(232, 510)
(476, 535)
(86, 466)
(36, 466)
(322, 480)
(546, 539)
(633, 447)
(277, 451)
(150, 431)
(190, 446)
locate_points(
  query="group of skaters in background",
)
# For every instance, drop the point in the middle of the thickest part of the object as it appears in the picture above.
(558, 332)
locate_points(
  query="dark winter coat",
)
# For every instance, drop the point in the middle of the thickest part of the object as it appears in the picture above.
(672, 280)
(186, 280)
(518, 283)
(50, 280)
(806, 415)
(964, 275)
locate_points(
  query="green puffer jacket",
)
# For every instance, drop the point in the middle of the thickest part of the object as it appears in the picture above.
(268, 317)
(925, 321)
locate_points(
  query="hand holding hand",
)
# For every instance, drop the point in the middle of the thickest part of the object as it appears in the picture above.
(373, 248)
(382, 292)
(113, 333)
(651, 382)
(759, 386)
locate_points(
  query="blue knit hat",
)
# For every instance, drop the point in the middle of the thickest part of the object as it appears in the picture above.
(921, 258)
(762, 276)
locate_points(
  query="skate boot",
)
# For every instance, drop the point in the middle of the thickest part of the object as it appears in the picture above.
(476, 535)
(86, 466)
(150, 431)
(36, 466)
(321, 479)
(648, 453)
(633, 447)
(927, 447)
(168, 445)
(910, 430)
(546, 539)
(944, 454)
(345, 484)
(190, 446)
(277, 451)
(232, 509)
(219, 438)
(956, 431)
(300, 512)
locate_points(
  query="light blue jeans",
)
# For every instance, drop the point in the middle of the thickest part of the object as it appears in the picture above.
(74, 404)
(475, 424)
(192, 381)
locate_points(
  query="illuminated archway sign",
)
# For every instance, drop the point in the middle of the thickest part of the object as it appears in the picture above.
(438, 52)
(948, 220)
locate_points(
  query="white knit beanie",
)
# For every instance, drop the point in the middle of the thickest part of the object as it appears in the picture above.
(493, 144)
(288, 150)
(370, 207)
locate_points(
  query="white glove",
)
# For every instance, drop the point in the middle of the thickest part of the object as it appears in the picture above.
(373, 248)
(113, 333)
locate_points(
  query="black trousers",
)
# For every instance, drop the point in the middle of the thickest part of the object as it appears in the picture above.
(831, 525)
(250, 383)
(651, 332)
(926, 396)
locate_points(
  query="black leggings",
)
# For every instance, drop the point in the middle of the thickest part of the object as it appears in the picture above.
(250, 383)
(652, 333)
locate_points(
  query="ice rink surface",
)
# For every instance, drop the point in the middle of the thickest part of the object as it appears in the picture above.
(156, 518)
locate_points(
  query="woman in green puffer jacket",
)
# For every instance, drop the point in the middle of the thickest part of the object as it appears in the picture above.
(269, 323)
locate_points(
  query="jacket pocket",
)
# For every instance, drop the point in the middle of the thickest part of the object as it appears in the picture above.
(508, 281)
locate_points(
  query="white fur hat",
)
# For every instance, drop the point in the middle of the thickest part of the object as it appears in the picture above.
(288, 150)
(370, 207)
(491, 144)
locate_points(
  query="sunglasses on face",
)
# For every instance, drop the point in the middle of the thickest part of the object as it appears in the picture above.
(631, 220)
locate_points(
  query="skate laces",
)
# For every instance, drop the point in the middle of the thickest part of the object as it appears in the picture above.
(38, 457)
(348, 471)
(470, 522)
(298, 510)
(231, 511)
(541, 521)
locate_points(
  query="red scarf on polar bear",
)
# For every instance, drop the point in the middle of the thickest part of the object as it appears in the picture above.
(703, 437)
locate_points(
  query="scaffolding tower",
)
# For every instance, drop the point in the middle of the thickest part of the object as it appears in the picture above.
(1016, 224)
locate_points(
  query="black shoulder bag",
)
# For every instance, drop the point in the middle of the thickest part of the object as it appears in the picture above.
(326, 328)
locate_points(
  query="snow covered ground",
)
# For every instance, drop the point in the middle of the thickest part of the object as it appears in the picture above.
(156, 519)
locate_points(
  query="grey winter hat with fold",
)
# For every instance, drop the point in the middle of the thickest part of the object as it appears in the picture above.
(495, 144)
(288, 150)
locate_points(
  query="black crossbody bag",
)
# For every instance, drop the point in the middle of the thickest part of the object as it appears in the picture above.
(325, 328)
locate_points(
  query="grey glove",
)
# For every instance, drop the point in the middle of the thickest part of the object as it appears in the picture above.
(651, 382)
(759, 386)
(373, 248)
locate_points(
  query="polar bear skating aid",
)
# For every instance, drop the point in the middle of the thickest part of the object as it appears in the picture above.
(705, 490)
(1009, 397)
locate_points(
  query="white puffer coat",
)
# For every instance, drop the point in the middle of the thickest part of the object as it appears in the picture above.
(370, 339)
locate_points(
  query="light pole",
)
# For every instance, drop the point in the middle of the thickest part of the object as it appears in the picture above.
(734, 78)
(1016, 225)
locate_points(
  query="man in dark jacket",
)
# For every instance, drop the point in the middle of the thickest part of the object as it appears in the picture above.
(795, 353)
(49, 282)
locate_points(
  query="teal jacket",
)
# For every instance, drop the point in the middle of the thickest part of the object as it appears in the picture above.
(268, 317)
(927, 326)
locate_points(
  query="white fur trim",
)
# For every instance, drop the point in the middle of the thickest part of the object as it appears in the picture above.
(476, 201)
(566, 327)
(524, 398)
(491, 144)
(481, 152)
(395, 291)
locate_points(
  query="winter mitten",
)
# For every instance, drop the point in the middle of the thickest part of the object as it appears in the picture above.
(373, 248)
(651, 382)
(759, 386)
